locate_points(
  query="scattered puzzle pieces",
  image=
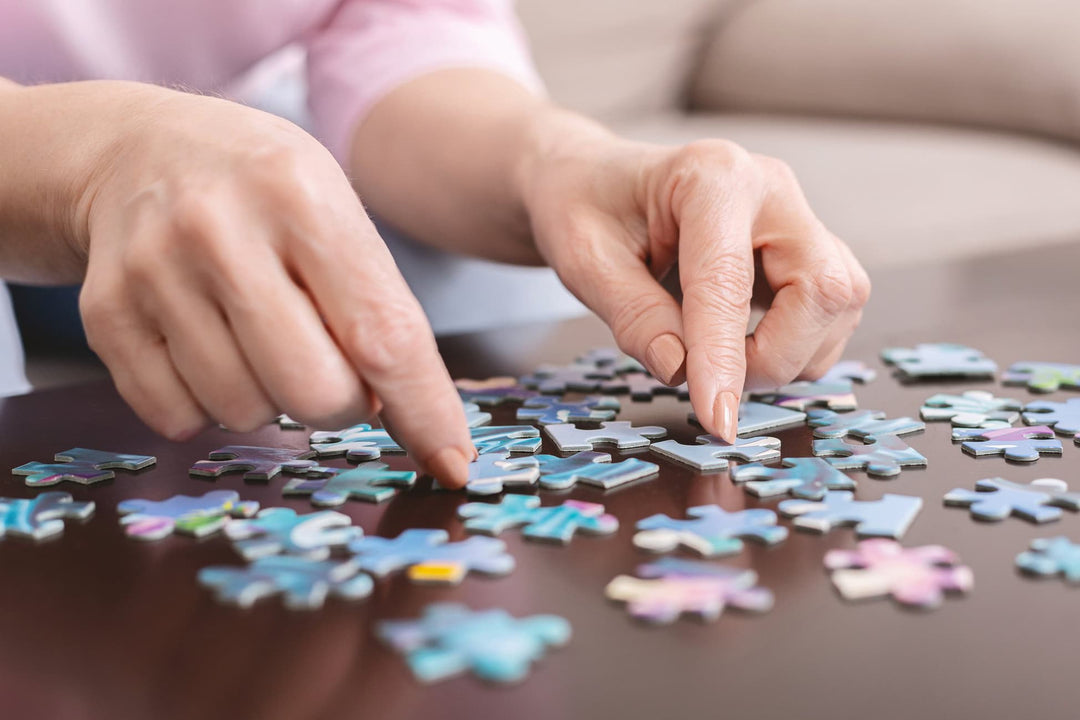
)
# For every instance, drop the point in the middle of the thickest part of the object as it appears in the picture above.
(642, 387)
(916, 577)
(358, 443)
(939, 360)
(1052, 556)
(370, 482)
(281, 531)
(849, 370)
(864, 425)
(558, 379)
(1043, 377)
(493, 391)
(430, 558)
(490, 473)
(198, 516)
(81, 466)
(549, 410)
(303, 584)
(888, 517)
(612, 359)
(555, 523)
(1019, 444)
(1064, 417)
(972, 409)
(806, 478)
(591, 468)
(449, 639)
(995, 499)
(712, 453)
(622, 435)
(41, 517)
(677, 587)
(506, 438)
(884, 457)
(801, 395)
(257, 463)
(710, 532)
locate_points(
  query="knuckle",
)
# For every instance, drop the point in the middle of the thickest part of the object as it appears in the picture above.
(632, 317)
(778, 171)
(829, 289)
(707, 163)
(390, 338)
(776, 368)
(722, 293)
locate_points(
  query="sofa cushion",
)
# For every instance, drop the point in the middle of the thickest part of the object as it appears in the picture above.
(907, 194)
(1010, 64)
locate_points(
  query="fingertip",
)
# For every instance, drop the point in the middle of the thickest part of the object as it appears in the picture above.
(726, 416)
(449, 466)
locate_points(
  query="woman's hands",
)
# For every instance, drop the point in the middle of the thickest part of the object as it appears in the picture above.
(232, 274)
(613, 216)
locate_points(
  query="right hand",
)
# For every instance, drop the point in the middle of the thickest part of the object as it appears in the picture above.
(233, 274)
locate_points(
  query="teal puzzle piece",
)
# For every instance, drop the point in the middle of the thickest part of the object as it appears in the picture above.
(82, 466)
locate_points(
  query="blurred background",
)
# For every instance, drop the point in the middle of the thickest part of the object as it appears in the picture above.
(921, 130)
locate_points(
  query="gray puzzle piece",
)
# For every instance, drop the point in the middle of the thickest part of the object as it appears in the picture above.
(973, 409)
(491, 473)
(557, 379)
(1064, 417)
(888, 517)
(712, 453)
(996, 498)
(849, 370)
(939, 360)
(591, 468)
(1042, 377)
(865, 425)
(257, 463)
(358, 443)
(757, 417)
(550, 410)
(807, 478)
(622, 435)
(643, 387)
(1019, 444)
(884, 457)
(303, 584)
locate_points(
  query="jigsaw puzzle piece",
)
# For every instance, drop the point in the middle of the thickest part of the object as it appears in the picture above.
(257, 463)
(710, 531)
(558, 379)
(302, 583)
(916, 577)
(890, 516)
(281, 531)
(972, 409)
(1019, 444)
(591, 468)
(82, 466)
(622, 435)
(287, 423)
(864, 425)
(555, 523)
(41, 517)
(474, 416)
(430, 557)
(491, 473)
(493, 391)
(757, 417)
(449, 639)
(712, 453)
(673, 588)
(198, 516)
(996, 499)
(849, 370)
(1052, 556)
(1042, 377)
(803, 394)
(806, 478)
(358, 443)
(549, 410)
(370, 482)
(612, 359)
(885, 457)
(643, 387)
(506, 438)
(939, 360)
(1064, 417)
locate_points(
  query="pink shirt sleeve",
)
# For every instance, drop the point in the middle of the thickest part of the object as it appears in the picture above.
(371, 47)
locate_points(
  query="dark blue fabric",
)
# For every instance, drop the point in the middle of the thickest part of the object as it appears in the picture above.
(48, 318)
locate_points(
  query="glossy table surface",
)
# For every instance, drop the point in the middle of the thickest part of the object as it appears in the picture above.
(95, 625)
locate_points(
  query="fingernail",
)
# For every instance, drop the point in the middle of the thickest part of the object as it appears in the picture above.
(665, 357)
(449, 466)
(726, 416)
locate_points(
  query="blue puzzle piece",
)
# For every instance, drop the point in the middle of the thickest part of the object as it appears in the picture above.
(430, 557)
(358, 443)
(82, 466)
(806, 478)
(864, 425)
(451, 639)
(849, 370)
(884, 457)
(974, 408)
(280, 530)
(1052, 556)
(550, 410)
(1064, 417)
(939, 360)
(491, 473)
(555, 523)
(257, 463)
(711, 453)
(371, 482)
(1019, 444)
(888, 517)
(474, 416)
(41, 517)
(1042, 377)
(995, 499)
(711, 531)
(591, 468)
(302, 583)
(199, 516)
(506, 438)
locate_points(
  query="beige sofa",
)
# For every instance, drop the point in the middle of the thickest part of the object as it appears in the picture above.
(920, 129)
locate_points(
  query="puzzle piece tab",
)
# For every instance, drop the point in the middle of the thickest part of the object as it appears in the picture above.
(358, 443)
(281, 531)
(302, 583)
(849, 370)
(82, 466)
(591, 468)
(972, 409)
(449, 639)
(493, 391)
(917, 577)
(684, 587)
(1043, 377)
(370, 482)
(996, 498)
(864, 425)
(555, 523)
(884, 457)
(41, 517)
(806, 478)
(430, 558)
(550, 410)
(801, 395)
(890, 516)
(1019, 444)
(1064, 417)
(710, 532)
(711, 453)
(1052, 556)
(622, 435)
(257, 463)
(939, 360)
(506, 438)
(198, 516)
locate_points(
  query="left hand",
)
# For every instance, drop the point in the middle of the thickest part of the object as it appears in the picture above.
(612, 217)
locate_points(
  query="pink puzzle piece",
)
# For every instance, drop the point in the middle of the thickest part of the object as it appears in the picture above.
(917, 577)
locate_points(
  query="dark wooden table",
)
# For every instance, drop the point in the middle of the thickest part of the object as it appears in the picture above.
(98, 626)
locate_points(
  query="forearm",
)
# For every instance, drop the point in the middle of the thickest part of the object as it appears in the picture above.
(445, 158)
